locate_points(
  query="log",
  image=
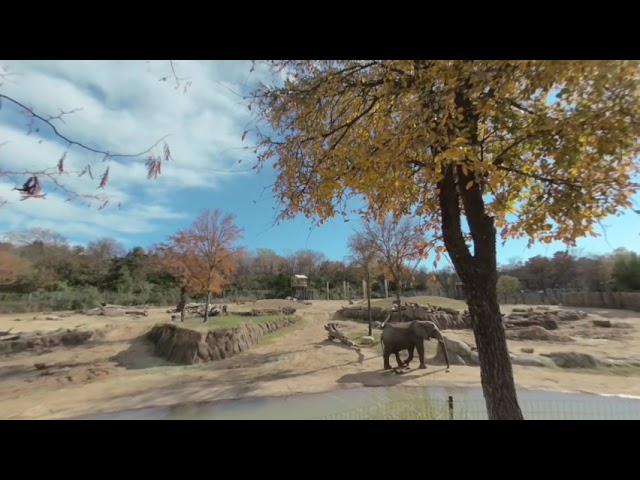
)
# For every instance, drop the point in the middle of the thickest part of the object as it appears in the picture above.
(596, 323)
(10, 337)
(546, 323)
(141, 313)
(335, 333)
(2, 334)
(108, 305)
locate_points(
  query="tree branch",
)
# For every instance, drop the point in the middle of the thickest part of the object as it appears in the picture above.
(73, 142)
(541, 178)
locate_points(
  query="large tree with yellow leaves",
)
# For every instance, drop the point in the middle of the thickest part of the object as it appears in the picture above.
(538, 149)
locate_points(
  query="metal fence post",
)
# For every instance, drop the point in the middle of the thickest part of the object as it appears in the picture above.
(450, 407)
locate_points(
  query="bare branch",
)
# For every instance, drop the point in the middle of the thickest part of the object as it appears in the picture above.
(73, 142)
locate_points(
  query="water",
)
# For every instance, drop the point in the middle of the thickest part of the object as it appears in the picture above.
(360, 403)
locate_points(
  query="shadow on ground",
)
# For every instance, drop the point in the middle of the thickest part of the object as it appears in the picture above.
(140, 355)
(381, 378)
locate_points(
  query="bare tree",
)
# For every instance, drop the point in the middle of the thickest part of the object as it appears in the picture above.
(366, 257)
(39, 122)
(395, 243)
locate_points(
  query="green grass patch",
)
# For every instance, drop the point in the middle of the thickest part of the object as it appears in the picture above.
(406, 406)
(435, 301)
(270, 337)
(230, 321)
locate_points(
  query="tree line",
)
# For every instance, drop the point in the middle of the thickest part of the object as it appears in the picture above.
(39, 260)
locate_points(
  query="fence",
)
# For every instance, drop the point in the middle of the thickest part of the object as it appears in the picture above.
(617, 300)
(80, 299)
(598, 408)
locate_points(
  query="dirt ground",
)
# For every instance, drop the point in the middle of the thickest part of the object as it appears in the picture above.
(118, 372)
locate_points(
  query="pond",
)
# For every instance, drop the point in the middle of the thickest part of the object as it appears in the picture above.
(392, 403)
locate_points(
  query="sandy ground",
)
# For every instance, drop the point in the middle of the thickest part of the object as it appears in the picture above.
(118, 372)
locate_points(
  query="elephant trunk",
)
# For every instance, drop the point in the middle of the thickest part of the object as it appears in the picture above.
(444, 349)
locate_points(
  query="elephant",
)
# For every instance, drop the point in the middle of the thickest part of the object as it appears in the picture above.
(409, 336)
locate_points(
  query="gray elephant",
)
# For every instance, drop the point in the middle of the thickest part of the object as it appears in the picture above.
(409, 336)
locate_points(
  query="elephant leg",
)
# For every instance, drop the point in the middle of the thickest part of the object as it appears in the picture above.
(420, 347)
(399, 360)
(385, 356)
(410, 357)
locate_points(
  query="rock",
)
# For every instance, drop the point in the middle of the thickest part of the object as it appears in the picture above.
(186, 346)
(537, 333)
(53, 317)
(531, 361)
(602, 323)
(570, 315)
(473, 359)
(366, 340)
(42, 366)
(539, 320)
(458, 347)
(526, 350)
(288, 310)
(573, 359)
(454, 358)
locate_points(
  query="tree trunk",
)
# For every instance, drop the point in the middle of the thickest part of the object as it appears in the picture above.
(496, 372)
(183, 302)
(369, 304)
(398, 294)
(206, 308)
(479, 275)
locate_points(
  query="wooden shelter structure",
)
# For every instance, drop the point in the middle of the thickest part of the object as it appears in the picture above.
(300, 287)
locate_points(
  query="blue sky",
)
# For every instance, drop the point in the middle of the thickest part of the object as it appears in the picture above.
(126, 108)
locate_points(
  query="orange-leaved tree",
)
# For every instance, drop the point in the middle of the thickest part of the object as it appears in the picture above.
(12, 267)
(203, 256)
(530, 148)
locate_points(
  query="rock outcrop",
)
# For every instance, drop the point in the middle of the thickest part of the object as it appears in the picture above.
(537, 333)
(445, 320)
(46, 340)
(187, 346)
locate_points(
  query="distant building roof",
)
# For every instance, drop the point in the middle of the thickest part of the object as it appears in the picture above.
(300, 276)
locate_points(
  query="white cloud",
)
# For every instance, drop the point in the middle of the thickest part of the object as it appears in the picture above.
(124, 109)
(76, 219)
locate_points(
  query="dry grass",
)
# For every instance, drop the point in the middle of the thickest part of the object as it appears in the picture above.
(273, 336)
(230, 321)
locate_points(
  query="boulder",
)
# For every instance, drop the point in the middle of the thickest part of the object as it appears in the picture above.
(458, 347)
(454, 358)
(573, 359)
(570, 315)
(526, 350)
(602, 323)
(537, 333)
(538, 320)
(366, 340)
(473, 359)
(531, 361)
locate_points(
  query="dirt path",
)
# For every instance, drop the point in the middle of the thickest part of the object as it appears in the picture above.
(118, 372)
